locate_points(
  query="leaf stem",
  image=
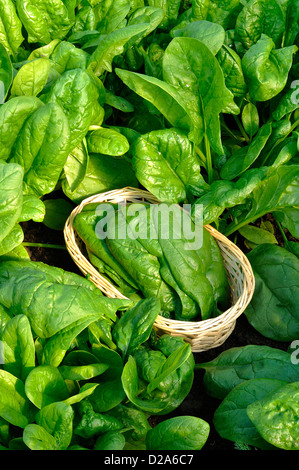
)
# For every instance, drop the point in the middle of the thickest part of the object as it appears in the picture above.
(209, 160)
(44, 245)
(241, 129)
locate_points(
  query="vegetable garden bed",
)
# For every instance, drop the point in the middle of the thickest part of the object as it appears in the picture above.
(198, 103)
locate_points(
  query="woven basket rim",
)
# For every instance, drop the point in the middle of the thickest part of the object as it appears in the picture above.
(182, 327)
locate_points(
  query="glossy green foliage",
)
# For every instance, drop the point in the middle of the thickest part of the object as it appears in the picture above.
(239, 364)
(273, 310)
(179, 433)
(190, 281)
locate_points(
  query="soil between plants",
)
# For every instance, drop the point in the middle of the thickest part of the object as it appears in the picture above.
(197, 403)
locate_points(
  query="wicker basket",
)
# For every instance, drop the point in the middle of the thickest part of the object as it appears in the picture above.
(202, 335)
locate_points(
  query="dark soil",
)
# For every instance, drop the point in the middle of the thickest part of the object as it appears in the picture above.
(197, 403)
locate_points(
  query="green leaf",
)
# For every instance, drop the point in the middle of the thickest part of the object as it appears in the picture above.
(51, 297)
(57, 212)
(18, 344)
(14, 404)
(6, 73)
(165, 164)
(266, 68)
(10, 27)
(110, 46)
(230, 418)
(42, 148)
(12, 240)
(57, 346)
(256, 18)
(45, 22)
(103, 173)
(163, 96)
(110, 14)
(135, 325)
(33, 208)
(13, 115)
(150, 15)
(76, 92)
(178, 433)
(231, 65)
(289, 219)
(273, 310)
(37, 438)
(275, 417)
(257, 235)
(279, 190)
(241, 160)
(31, 78)
(11, 196)
(238, 364)
(51, 386)
(75, 166)
(65, 56)
(210, 34)
(250, 119)
(211, 10)
(111, 440)
(173, 362)
(57, 420)
(108, 142)
(189, 65)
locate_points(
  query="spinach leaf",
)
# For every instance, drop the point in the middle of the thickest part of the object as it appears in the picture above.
(45, 22)
(108, 142)
(75, 166)
(103, 173)
(6, 73)
(110, 14)
(230, 418)
(31, 78)
(13, 115)
(111, 440)
(19, 350)
(12, 240)
(266, 68)
(210, 34)
(11, 37)
(110, 46)
(57, 420)
(275, 416)
(273, 311)
(11, 196)
(178, 433)
(14, 404)
(165, 97)
(135, 325)
(231, 65)
(37, 438)
(165, 163)
(189, 65)
(41, 149)
(256, 19)
(51, 386)
(211, 10)
(279, 190)
(246, 156)
(56, 213)
(75, 92)
(70, 297)
(238, 364)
